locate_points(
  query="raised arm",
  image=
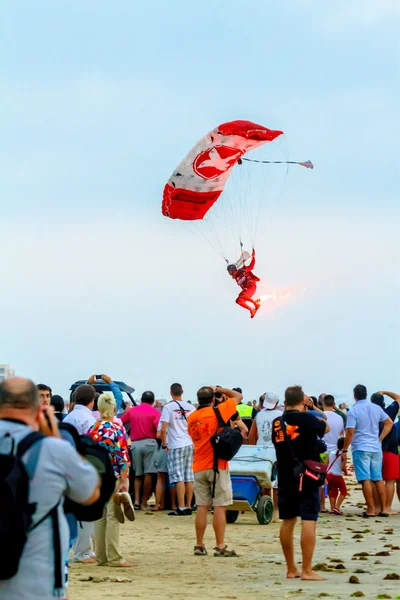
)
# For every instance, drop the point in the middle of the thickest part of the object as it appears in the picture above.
(392, 395)
(237, 396)
(253, 261)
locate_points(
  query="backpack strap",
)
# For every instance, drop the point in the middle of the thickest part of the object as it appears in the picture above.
(220, 425)
(181, 409)
(221, 422)
(33, 458)
(28, 441)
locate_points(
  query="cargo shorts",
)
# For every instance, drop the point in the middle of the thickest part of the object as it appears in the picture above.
(203, 485)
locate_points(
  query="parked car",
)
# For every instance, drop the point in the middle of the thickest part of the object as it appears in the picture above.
(100, 387)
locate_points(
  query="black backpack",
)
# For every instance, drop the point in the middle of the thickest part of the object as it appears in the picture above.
(99, 457)
(15, 511)
(226, 442)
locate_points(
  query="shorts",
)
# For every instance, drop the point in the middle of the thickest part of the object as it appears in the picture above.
(180, 464)
(161, 461)
(144, 454)
(336, 485)
(203, 484)
(390, 466)
(367, 465)
(293, 503)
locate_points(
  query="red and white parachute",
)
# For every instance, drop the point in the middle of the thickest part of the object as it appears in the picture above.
(199, 180)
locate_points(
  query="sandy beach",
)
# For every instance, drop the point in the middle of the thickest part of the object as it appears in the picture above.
(162, 548)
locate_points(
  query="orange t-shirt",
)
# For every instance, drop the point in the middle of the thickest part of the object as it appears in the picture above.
(202, 424)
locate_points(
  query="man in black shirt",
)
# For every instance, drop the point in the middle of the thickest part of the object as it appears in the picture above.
(303, 431)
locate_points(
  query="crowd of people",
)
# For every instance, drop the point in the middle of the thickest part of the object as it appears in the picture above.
(169, 451)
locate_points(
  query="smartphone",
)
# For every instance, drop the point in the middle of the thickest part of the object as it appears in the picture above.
(98, 376)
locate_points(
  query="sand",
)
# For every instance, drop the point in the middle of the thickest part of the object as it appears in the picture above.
(162, 549)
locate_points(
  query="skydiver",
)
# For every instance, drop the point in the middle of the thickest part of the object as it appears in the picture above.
(246, 279)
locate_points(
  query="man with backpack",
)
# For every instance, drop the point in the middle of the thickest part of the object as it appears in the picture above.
(37, 470)
(212, 483)
(179, 448)
(295, 435)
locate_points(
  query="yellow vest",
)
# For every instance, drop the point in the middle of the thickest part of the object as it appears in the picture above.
(245, 411)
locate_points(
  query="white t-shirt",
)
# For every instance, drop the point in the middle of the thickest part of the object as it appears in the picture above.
(264, 421)
(178, 436)
(335, 422)
(336, 469)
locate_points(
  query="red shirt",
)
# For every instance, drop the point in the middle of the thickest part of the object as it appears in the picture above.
(143, 420)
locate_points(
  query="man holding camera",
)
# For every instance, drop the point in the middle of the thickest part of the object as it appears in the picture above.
(55, 471)
(202, 425)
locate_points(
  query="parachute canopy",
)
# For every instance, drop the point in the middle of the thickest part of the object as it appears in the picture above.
(200, 178)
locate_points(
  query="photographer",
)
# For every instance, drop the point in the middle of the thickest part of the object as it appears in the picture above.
(202, 425)
(55, 471)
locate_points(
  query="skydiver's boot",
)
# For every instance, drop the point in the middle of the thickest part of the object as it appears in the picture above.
(253, 311)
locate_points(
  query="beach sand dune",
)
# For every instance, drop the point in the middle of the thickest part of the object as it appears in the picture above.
(162, 548)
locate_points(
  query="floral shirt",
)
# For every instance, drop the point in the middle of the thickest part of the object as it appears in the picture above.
(113, 437)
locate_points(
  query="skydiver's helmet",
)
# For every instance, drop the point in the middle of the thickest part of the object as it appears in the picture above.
(231, 269)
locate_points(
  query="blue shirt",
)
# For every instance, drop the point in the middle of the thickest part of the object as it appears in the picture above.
(364, 417)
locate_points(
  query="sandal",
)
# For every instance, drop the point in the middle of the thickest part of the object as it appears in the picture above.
(224, 552)
(383, 515)
(200, 551)
(365, 515)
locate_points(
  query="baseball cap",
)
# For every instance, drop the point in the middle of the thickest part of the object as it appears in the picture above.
(271, 400)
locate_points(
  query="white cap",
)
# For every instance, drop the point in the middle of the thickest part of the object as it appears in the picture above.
(271, 400)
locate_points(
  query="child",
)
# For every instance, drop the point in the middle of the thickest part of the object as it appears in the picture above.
(337, 490)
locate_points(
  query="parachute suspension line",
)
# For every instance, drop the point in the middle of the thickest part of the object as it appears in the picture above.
(199, 232)
(307, 164)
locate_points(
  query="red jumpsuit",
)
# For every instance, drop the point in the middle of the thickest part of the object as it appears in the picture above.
(247, 281)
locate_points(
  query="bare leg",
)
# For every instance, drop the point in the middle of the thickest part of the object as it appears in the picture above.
(286, 537)
(189, 488)
(307, 543)
(180, 492)
(381, 490)
(367, 488)
(160, 490)
(147, 485)
(377, 502)
(332, 502)
(201, 524)
(322, 498)
(172, 493)
(138, 487)
(340, 501)
(398, 489)
(219, 524)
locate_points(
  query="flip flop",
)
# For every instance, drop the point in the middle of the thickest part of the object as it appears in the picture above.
(383, 515)
(365, 515)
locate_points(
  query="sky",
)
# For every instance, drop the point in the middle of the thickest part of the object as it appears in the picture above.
(100, 101)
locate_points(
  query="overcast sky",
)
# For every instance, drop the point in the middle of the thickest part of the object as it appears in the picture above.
(101, 100)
